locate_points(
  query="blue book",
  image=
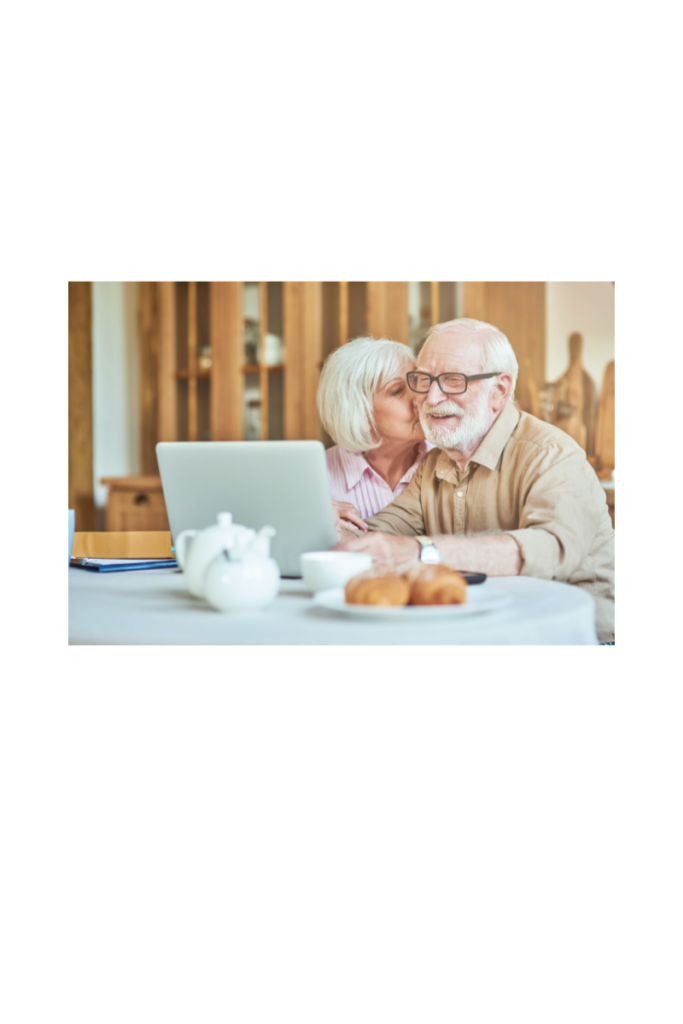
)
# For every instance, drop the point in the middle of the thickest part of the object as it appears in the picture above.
(123, 564)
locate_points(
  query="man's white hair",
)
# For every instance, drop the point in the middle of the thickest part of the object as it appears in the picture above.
(349, 380)
(498, 355)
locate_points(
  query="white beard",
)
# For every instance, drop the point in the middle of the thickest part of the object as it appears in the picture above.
(473, 426)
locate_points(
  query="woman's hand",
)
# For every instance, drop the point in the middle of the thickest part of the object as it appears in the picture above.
(346, 517)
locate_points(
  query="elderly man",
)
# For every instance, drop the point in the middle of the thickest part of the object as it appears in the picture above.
(503, 492)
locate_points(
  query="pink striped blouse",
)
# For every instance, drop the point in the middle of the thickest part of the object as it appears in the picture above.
(353, 479)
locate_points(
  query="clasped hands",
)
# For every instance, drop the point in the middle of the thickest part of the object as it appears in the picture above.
(388, 550)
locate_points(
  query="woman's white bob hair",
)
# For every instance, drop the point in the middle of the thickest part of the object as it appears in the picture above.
(498, 355)
(349, 380)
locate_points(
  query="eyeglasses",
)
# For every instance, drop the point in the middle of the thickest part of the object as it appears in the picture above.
(450, 383)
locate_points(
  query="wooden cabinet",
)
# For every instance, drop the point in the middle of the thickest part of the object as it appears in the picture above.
(214, 352)
(135, 503)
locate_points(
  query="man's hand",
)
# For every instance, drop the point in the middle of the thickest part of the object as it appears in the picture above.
(495, 554)
(388, 550)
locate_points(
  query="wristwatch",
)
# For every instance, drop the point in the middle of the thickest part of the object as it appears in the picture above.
(428, 551)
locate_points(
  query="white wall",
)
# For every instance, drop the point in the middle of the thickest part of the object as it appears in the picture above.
(587, 307)
(115, 382)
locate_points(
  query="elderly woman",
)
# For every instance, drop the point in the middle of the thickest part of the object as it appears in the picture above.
(366, 407)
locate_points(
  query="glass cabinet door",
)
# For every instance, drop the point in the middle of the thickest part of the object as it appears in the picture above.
(263, 361)
(273, 360)
(251, 319)
(192, 360)
(429, 303)
(419, 313)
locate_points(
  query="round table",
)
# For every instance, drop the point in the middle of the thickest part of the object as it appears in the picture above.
(152, 606)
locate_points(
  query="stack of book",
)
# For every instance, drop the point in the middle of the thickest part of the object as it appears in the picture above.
(118, 551)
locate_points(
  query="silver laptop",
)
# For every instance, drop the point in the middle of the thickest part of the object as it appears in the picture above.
(283, 484)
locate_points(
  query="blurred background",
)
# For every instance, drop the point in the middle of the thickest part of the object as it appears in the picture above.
(221, 361)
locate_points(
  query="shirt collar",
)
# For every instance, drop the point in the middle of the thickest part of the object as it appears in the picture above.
(354, 466)
(491, 448)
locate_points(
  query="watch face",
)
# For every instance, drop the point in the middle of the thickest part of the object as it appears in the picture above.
(430, 554)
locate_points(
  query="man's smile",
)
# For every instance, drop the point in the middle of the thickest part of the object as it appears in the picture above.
(446, 415)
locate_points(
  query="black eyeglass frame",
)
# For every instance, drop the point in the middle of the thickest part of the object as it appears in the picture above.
(452, 373)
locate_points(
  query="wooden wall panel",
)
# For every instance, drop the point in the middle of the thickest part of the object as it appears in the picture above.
(167, 428)
(434, 303)
(303, 332)
(474, 300)
(396, 311)
(333, 316)
(374, 308)
(192, 360)
(81, 491)
(149, 376)
(387, 310)
(227, 351)
(517, 308)
(357, 320)
(343, 312)
(447, 301)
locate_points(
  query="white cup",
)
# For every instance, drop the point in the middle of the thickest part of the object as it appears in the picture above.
(323, 570)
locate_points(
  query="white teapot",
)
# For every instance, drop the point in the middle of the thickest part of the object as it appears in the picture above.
(195, 549)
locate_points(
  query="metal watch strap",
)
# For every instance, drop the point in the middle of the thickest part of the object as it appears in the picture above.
(429, 553)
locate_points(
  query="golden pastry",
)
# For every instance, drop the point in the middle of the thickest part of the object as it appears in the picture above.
(436, 584)
(378, 588)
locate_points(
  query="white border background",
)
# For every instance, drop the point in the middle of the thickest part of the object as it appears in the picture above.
(339, 835)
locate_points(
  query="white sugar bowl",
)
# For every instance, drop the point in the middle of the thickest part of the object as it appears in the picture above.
(241, 582)
(195, 549)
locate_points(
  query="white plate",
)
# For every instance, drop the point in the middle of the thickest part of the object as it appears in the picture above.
(479, 599)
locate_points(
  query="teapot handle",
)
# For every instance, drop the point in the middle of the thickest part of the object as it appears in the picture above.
(181, 545)
(261, 542)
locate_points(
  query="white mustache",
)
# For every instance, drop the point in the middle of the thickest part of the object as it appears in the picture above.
(444, 409)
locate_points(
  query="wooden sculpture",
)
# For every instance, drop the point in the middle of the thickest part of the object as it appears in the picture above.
(533, 401)
(604, 439)
(575, 398)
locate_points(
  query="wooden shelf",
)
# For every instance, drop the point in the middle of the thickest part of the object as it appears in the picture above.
(132, 483)
(206, 374)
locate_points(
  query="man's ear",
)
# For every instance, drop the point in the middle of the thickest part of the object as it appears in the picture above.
(501, 390)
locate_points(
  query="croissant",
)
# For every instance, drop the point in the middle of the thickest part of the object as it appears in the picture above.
(379, 588)
(436, 584)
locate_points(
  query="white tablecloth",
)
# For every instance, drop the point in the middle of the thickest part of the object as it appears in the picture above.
(153, 607)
